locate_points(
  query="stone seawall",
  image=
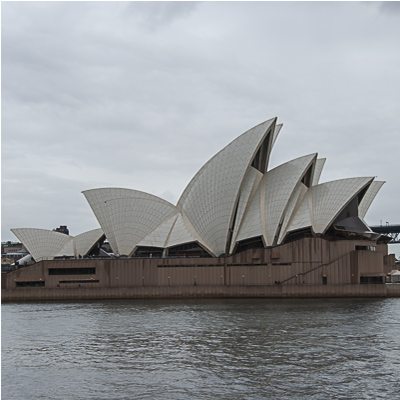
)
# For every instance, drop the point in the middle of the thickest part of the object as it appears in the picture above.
(243, 291)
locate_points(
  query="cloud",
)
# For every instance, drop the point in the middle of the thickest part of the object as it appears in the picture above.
(390, 7)
(141, 95)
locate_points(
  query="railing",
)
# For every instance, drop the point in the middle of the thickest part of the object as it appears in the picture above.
(313, 269)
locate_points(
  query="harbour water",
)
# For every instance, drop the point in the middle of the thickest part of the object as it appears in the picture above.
(202, 349)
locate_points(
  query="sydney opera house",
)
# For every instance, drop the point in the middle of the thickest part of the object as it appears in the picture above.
(237, 223)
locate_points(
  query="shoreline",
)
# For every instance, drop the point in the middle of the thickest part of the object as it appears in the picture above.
(190, 292)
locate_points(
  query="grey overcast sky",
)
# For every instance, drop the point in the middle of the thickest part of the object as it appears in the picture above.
(141, 94)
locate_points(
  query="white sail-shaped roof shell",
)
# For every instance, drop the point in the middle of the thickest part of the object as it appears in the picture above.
(293, 205)
(319, 165)
(97, 199)
(330, 198)
(67, 250)
(159, 236)
(301, 218)
(252, 222)
(174, 231)
(232, 200)
(249, 187)
(276, 133)
(42, 244)
(268, 207)
(211, 197)
(128, 216)
(182, 232)
(85, 241)
(279, 186)
(369, 197)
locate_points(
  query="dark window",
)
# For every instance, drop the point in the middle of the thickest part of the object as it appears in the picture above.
(72, 271)
(30, 284)
(368, 248)
(371, 279)
(252, 243)
(80, 281)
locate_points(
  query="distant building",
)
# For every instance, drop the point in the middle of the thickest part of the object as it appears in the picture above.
(62, 229)
(12, 247)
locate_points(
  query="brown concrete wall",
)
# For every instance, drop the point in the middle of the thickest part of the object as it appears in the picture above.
(389, 263)
(306, 260)
(365, 263)
(24, 294)
(382, 248)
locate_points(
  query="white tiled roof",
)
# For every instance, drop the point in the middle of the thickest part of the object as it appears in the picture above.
(159, 236)
(329, 198)
(369, 197)
(250, 184)
(293, 205)
(251, 224)
(279, 186)
(210, 198)
(85, 241)
(232, 198)
(319, 165)
(301, 218)
(42, 244)
(97, 199)
(127, 216)
(181, 233)
(67, 250)
(277, 130)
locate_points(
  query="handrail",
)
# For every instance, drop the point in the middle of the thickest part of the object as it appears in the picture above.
(313, 269)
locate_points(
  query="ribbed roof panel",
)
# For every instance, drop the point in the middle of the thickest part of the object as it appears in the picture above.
(42, 244)
(330, 198)
(319, 166)
(280, 184)
(210, 198)
(133, 218)
(369, 197)
(85, 241)
(127, 216)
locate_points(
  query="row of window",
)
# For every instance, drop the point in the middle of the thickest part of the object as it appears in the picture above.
(72, 271)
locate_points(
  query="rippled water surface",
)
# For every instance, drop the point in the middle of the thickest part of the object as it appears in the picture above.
(202, 349)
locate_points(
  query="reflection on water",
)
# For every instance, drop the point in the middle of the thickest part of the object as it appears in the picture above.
(202, 349)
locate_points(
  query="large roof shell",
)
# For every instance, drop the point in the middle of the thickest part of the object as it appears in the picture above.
(330, 198)
(279, 186)
(85, 241)
(97, 199)
(294, 204)
(42, 244)
(128, 216)
(231, 199)
(301, 216)
(249, 187)
(159, 236)
(210, 199)
(369, 197)
(319, 165)
(252, 222)
(268, 209)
